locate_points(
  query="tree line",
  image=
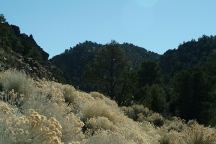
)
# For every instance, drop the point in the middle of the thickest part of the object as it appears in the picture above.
(181, 82)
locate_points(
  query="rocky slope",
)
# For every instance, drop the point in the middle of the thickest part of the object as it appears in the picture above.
(20, 51)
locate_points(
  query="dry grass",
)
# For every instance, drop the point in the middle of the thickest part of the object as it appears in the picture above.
(54, 113)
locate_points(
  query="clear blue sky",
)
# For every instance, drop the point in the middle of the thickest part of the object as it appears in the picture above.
(156, 25)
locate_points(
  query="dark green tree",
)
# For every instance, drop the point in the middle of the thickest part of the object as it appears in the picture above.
(149, 85)
(127, 88)
(154, 97)
(149, 73)
(194, 98)
(108, 69)
(2, 19)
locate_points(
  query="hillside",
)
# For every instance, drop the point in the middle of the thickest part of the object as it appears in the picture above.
(74, 61)
(189, 55)
(143, 92)
(47, 112)
(189, 73)
(20, 51)
(169, 84)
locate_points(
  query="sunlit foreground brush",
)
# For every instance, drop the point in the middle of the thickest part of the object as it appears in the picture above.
(47, 112)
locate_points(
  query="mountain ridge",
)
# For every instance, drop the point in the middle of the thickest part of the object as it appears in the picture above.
(126, 73)
(20, 51)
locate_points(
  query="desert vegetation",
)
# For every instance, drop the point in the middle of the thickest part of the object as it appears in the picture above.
(47, 112)
(181, 82)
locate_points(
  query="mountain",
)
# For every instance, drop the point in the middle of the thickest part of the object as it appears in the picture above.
(38, 110)
(74, 61)
(190, 75)
(192, 54)
(20, 51)
(171, 83)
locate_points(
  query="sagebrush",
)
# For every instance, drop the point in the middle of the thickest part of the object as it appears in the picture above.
(52, 113)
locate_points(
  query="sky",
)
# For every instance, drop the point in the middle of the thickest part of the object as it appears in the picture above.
(157, 25)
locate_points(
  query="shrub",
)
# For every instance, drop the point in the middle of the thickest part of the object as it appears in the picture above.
(34, 128)
(99, 123)
(100, 109)
(105, 137)
(193, 134)
(69, 94)
(99, 96)
(174, 124)
(16, 84)
(198, 134)
(49, 101)
(135, 110)
(170, 138)
(155, 119)
(141, 114)
(5, 108)
(56, 113)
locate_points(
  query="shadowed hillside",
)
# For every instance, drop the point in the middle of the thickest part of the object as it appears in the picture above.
(192, 54)
(20, 51)
(171, 83)
(75, 61)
